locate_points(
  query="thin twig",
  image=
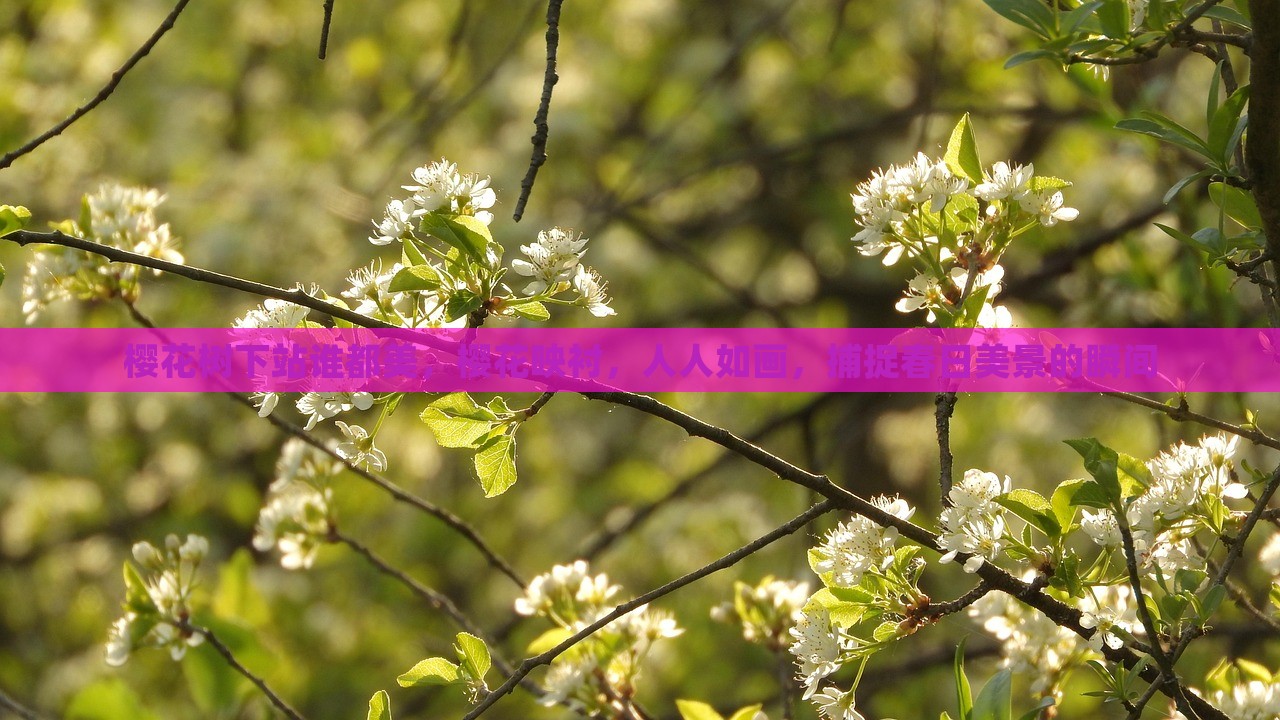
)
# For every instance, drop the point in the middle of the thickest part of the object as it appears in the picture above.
(13, 706)
(1182, 413)
(324, 29)
(944, 407)
(227, 655)
(529, 664)
(104, 93)
(434, 598)
(540, 128)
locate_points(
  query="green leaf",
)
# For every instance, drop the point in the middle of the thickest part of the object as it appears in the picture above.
(1063, 509)
(2, 274)
(13, 218)
(1226, 14)
(1046, 184)
(962, 150)
(1236, 203)
(548, 640)
(1090, 493)
(108, 699)
(461, 303)
(1183, 183)
(410, 255)
(1176, 134)
(1113, 17)
(136, 597)
(1030, 14)
(237, 595)
(964, 695)
(1101, 462)
(885, 631)
(1028, 56)
(380, 706)
(415, 278)
(695, 710)
(1032, 507)
(464, 233)
(1212, 601)
(530, 310)
(1035, 713)
(496, 465)
(1222, 127)
(746, 713)
(993, 703)
(474, 654)
(457, 421)
(432, 671)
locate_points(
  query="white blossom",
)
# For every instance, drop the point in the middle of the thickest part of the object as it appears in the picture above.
(860, 545)
(1005, 182)
(324, 405)
(551, 260)
(819, 648)
(591, 292)
(273, 313)
(836, 705)
(358, 448)
(295, 520)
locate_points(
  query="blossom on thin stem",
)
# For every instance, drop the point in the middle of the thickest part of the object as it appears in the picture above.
(157, 608)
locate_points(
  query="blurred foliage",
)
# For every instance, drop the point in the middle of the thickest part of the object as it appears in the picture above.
(708, 149)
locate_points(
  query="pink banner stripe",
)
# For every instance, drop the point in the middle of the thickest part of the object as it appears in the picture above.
(640, 360)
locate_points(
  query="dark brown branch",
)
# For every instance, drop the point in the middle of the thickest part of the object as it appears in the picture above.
(104, 93)
(227, 655)
(726, 561)
(1182, 413)
(1262, 154)
(540, 128)
(324, 29)
(944, 407)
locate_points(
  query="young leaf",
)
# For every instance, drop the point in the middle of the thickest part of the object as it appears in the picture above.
(1222, 126)
(415, 278)
(1113, 17)
(474, 654)
(962, 151)
(1063, 509)
(994, 702)
(496, 465)
(548, 640)
(380, 706)
(1030, 14)
(1032, 507)
(746, 713)
(964, 695)
(464, 233)
(1236, 203)
(432, 671)
(460, 303)
(529, 310)
(1163, 130)
(410, 255)
(13, 218)
(694, 710)
(457, 421)
(1100, 461)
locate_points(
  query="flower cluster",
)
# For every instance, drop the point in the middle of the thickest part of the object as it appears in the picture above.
(860, 545)
(767, 611)
(117, 216)
(1035, 646)
(954, 222)
(599, 674)
(553, 264)
(1187, 489)
(298, 514)
(157, 607)
(974, 522)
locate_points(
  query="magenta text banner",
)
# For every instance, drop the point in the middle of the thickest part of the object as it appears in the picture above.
(639, 360)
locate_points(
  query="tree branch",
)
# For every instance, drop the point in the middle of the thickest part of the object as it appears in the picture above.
(540, 128)
(104, 93)
(324, 29)
(13, 706)
(1262, 154)
(227, 655)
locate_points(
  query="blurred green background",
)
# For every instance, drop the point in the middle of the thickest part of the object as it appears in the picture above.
(708, 149)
